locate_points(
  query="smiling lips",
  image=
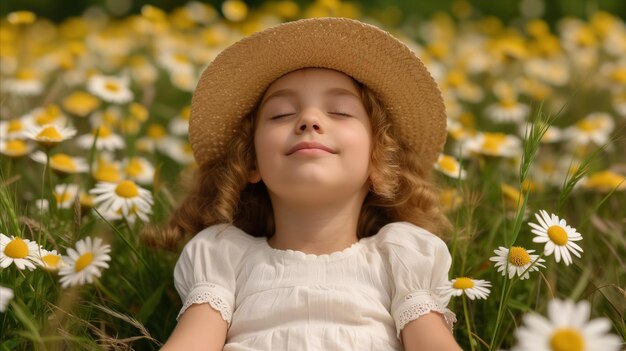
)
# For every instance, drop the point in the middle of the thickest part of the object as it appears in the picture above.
(310, 145)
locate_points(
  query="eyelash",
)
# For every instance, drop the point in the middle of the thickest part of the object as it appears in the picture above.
(332, 113)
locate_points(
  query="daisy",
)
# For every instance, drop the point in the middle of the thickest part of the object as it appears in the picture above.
(449, 166)
(15, 148)
(450, 199)
(494, 144)
(156, 136)
(139, 169)
(49, 135)
(124, 195)
(65, 194)
(25, 82)
(567, 328)
(106, 139)
(110, 89)
(520, 261)
(234, 10)
(84, 262)
(13, 128)
(50, 114)
(80, 103)
(552, 135)
(472, 288)
(51, 260)
(595, 128)
(508, 111)
(558, 236)
(21, 252)
(180, 124)
(604, 181)
(6, 295)
(131, 216)
(61, 163)
(107, 170)
(180, 151)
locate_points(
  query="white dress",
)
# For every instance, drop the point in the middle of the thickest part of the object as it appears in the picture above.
(359, 298)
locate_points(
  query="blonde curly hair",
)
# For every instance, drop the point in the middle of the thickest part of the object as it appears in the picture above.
(220, 191)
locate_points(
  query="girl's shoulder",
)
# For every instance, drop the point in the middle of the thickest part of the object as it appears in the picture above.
(406, 236)
(222, 234)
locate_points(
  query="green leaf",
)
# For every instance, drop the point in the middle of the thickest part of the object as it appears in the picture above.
(151, 303)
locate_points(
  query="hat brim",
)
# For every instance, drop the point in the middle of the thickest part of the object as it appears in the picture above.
(232, 84)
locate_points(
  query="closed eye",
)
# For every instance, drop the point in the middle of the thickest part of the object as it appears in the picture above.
(339, 113)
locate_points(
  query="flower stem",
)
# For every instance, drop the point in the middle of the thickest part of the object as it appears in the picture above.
(467, 322)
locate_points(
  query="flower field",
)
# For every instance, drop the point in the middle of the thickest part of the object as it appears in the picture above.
(94, 113)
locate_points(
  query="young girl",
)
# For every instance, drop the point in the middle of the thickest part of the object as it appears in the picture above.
(315, 223)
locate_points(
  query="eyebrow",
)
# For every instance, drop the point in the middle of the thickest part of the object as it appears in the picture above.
(291, 92)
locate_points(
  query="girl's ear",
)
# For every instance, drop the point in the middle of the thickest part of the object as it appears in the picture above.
(254, 176)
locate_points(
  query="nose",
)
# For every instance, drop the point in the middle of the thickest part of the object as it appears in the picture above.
(310, 121)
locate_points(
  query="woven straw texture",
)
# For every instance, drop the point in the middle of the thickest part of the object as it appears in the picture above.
(231, 85)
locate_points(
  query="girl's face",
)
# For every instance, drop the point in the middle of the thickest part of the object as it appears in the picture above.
(313, 138)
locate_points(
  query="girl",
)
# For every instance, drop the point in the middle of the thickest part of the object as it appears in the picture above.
(313, 215)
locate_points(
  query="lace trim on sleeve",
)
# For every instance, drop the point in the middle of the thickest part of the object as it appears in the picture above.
(205, 294)
(423, 306)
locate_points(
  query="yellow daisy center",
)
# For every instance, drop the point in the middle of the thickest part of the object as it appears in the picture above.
(456, 78)
(15, 125)
(21, 17)
(463, 283)
(605, 179)
(102, 132)
(63, 161)
(156, 131)
(63, 197)
(566, 339)
(51, 260)
(138, 111)
(127, 189)
(134, 168)
(586, 125)
(83, 261)
(112, 86)
(558, 235)
(518, 256)
(16, 146)
(86, 200)
(50, 133)
(508, 103)
(17, 248)
(447, 163)
(493, 142)
(619, 75)
(107, 173)
(181, 58)
(234, 10)
(186, 113)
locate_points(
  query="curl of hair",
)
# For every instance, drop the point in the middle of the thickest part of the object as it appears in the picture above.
(400, 188)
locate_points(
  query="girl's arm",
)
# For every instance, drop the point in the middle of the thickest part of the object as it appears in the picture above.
(199, 328)
(428, 333)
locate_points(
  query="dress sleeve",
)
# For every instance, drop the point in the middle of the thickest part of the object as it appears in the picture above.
(206, 269)
(418, 262)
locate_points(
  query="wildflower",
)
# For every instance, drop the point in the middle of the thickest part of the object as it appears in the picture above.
(558, 236)
(21, 17)
(84, 262)
(110, 89)
(520, 261)
(180, 151)
(138, 169)
(567, 328)
(156, 136)
(449, 166)
(494, 144)
(62, 164)
(595, 128)
(6, 295)
(124, 195)
(604, 181)
(21, 252)
(180, 124)
(65, 194)
(25, 82)
(80, 103)
(507, 111)
(50, 135)
(15, 148)
(50, 114)
(234, 10)
(107, 170)
(13, 128)
(472, 288)
(450, 199)
(104, 137)
(51, 260)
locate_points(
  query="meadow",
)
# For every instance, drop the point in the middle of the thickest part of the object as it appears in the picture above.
(93, 149)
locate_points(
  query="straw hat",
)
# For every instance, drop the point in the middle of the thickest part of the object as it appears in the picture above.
(237, 78)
